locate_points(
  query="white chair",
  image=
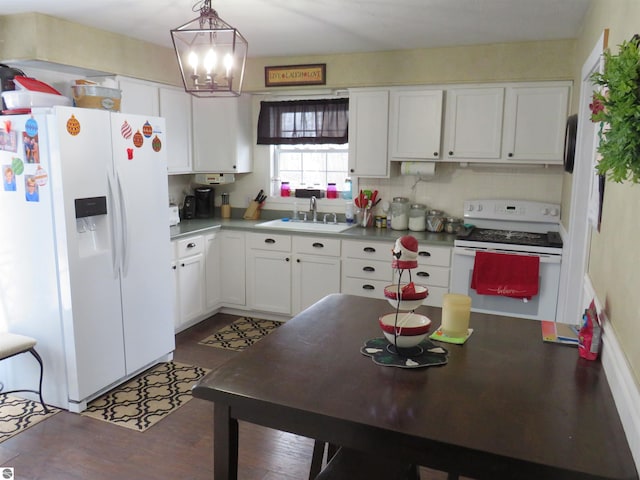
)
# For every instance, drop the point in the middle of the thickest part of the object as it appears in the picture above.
(12, 344)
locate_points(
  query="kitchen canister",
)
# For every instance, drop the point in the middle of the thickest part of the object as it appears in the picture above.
(400, 213)
(452, 225)
(435, 221)
(417, 217)
(225, 208)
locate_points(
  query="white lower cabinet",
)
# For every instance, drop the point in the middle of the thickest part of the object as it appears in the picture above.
(212, 270)
(232, 268)
(316, 270)
(190, 294)
(366, 268)
(285, 274)
(434, 264)
(269, 272)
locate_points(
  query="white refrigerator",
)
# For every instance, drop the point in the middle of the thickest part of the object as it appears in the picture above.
(84, 249)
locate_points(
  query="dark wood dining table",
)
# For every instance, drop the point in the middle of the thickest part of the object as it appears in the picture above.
(506, 405)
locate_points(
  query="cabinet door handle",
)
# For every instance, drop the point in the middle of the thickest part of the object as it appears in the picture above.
(191, 245)
(423, 253)
(318, 245)
(450, 152)
(435, 154)
(352, 170)
(510, 154)
(182, 264)
(174, 267)
(366, 286)
(368, 269)
(369, 249)
(269, 240)
(287, 259)
(297, 260)
(423, 274)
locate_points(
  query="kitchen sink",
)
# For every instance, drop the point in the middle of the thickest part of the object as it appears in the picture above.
(300, 226)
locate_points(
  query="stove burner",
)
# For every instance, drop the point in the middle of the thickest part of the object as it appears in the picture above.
(511, 237)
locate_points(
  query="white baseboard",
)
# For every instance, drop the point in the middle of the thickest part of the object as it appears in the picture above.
(626, 393)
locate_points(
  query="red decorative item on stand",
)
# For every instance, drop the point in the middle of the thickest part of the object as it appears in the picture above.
(405, 253)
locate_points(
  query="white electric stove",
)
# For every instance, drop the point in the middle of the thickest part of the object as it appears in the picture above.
(513, 227)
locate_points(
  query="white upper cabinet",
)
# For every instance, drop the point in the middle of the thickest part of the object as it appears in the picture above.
(368, 126)
(175, 107)
(415, 123)
(138, 97)
(473, 123)
(222, 135)
(535, 118)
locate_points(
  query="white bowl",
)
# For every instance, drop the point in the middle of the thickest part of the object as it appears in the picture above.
(407, 302)
(411, 330)
(15, 99)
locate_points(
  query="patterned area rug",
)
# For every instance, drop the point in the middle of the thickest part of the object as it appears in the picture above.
(148, 398)
(18, 414)
(241, 334)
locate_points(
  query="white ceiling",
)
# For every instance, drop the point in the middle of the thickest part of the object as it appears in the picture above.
(307, 27)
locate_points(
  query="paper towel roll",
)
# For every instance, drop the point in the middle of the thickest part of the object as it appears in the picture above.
(421, 169)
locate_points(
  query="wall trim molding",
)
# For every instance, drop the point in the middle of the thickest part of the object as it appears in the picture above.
(626, 393)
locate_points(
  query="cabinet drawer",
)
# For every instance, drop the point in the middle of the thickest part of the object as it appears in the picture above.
(317, 246)
(372, 250)
(189, 246)
(364, 287)
(269, 241)
(367, 269)
(430, 255)
(434, 299)
(428, 275)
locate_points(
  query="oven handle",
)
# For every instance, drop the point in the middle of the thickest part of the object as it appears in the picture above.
(544, 258)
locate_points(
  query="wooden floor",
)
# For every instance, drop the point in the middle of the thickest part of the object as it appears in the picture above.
(69, 446)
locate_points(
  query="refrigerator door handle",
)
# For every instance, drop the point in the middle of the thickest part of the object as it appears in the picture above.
(115, 250)
(125, 229)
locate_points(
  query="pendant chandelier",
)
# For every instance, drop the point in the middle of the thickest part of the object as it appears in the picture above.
(211, 54)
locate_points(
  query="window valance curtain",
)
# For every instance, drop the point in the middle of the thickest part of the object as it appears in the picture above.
(295, 122)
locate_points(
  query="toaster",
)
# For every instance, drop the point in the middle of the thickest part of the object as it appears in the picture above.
(174, 215)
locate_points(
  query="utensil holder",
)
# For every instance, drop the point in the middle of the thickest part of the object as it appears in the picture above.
(253, 211)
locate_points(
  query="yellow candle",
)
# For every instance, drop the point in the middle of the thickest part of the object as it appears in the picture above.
(456, 309)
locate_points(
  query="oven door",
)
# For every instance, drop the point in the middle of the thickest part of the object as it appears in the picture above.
(541, 307)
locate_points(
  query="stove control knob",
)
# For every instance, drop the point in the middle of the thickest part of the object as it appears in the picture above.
(479, 207)
(554, 212)
(545, 211)
(470, 207)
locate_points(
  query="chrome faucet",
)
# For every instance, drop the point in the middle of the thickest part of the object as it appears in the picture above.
(313, 207)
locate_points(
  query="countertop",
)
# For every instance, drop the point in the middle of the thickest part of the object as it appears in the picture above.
(190, 227)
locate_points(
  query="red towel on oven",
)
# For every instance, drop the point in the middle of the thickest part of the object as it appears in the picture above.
(507, 275)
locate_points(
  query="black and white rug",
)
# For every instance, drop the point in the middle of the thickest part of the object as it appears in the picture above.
(242, 333)
(18, 414)
(148, 398)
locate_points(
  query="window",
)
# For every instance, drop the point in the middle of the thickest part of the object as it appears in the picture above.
(310, 165)
(309, 139)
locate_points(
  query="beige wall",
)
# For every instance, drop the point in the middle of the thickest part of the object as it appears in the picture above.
(33, 36)
(40, 37)
(614, 261)
(480, 63)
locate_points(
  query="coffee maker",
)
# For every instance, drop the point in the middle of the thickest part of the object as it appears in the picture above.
(204, 202)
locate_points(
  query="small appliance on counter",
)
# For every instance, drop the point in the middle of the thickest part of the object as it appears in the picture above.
(174, 215)
(204, 202)
(189, 207)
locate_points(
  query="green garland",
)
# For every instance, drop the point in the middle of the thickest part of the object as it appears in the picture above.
(617, 107)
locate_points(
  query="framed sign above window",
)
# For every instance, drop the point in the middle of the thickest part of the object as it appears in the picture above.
(295, 75)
